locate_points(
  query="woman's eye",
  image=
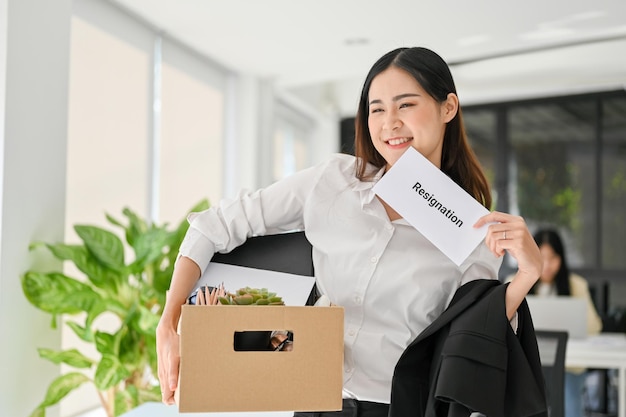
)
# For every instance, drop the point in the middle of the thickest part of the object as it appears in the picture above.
(376, 110)
(404, 105)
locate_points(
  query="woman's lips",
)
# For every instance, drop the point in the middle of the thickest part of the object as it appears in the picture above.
(397, 141)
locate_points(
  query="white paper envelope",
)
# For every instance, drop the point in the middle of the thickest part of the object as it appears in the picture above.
(434, 204)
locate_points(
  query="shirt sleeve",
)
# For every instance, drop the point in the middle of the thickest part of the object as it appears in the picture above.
(275, 209)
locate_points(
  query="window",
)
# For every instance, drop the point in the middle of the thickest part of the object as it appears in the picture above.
(291, 140)
(552, 167)
(107, 145)
(191, 133)
(613, 194)
(481, 132)
(145, 131)
(562, 162)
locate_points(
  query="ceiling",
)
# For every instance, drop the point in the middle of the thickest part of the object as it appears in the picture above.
(321, 51)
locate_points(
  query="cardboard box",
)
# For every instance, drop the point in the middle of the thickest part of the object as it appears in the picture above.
(216, 378)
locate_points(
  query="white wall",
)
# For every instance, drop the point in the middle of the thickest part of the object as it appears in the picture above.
(34, 78)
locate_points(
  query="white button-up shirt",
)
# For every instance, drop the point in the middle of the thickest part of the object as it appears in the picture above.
(391, 281)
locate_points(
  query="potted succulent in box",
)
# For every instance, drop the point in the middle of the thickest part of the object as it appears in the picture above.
(132, 290)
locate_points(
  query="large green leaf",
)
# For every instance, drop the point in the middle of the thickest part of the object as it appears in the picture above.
(56, 293)
(71, 357)
(101, 277)
(105, 246)
(109, 373)
(149, 247)
(62, 386)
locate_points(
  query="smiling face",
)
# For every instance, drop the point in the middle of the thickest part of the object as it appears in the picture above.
(403, 114)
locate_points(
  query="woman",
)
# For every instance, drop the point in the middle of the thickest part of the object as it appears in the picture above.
(557, 280)
(367, 258)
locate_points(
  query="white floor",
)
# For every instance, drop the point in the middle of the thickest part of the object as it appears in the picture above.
(161, 410)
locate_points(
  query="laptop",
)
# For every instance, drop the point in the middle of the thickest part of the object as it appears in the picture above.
(559, 313)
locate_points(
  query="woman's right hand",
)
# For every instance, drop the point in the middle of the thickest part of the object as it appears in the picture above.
(168, 354)
(186, 273)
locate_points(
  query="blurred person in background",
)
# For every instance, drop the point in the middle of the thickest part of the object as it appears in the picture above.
(557, 280)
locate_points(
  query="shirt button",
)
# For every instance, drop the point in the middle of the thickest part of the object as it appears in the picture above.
(348, 370)
(389, 226)
(351, 332)
(357, 300)
(374, 259)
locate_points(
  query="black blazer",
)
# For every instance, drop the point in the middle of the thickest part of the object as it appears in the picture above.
(471, 360)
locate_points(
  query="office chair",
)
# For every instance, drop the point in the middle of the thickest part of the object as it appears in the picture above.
(285, 252)
(552, 346)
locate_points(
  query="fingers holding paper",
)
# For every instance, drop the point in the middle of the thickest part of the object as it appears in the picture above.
(509, 233)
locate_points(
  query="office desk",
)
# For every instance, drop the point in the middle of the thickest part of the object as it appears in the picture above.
(604, 351)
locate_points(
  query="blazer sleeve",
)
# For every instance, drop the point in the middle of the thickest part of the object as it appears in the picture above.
(485, 367)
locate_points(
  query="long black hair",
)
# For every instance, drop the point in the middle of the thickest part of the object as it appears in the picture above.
(561, 280)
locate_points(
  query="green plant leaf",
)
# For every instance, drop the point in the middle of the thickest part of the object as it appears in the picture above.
(147, 321)
(38, 412)
(107, 304)
(62, 386)
(149, 247)
(150, 349)
(126, 400)
(83, 332)
(161, 281)
(109, 372)
(106, 343)
(150, 394)
(56, 293)
(105, 246)
(136, 226)
(71, 357)
(98, 275)
(132, 348)
(114, 221)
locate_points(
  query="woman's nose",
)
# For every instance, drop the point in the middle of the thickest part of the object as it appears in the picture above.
(392, 121)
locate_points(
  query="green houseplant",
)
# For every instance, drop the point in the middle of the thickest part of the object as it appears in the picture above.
(132, 290)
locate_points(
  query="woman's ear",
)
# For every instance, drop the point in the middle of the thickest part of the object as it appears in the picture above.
(450, 107)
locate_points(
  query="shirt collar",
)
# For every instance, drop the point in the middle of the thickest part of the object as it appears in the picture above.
(364, 188)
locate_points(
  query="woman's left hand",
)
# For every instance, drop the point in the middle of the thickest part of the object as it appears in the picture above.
(509, 233)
